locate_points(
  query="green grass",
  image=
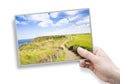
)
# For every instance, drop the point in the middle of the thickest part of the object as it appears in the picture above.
(40, 50)
(60, 57)
(82, 40)
(48, 48)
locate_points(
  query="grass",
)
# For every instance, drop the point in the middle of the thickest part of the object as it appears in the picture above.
(48, 48)
(41, 49)
(60, 57)
(82, 40)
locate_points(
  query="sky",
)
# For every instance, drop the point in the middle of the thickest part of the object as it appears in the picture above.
(52, 23)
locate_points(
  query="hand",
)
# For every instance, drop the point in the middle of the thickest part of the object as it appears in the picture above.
(100, 64)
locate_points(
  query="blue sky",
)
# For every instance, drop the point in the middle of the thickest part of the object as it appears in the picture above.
(52, 23)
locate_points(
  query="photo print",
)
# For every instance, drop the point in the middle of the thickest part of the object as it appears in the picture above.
(53, 36)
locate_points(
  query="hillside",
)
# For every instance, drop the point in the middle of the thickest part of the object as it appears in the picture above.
(54, 48)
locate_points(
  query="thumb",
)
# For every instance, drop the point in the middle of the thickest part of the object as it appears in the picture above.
(86, 54)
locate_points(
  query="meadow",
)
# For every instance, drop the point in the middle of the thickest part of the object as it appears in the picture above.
(54, 48)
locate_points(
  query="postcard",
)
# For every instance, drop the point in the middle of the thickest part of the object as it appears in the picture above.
(53, 36)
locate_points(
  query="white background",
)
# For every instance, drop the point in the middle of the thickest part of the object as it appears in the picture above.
(105, 19)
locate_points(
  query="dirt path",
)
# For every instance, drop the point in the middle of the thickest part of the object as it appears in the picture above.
(69, 54)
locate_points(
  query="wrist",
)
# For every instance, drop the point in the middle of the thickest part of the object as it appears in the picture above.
(115, 78)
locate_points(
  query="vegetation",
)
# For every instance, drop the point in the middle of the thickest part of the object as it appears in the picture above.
(82, 40)
(48, 48)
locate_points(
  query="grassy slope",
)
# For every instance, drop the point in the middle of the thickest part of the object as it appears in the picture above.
(41, 49)
(48, 48)
(82, 40)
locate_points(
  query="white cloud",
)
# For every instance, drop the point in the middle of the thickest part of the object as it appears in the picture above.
(81, 29)
(38, 17)
(71, 12)
(84, 23)
(44, 19)
(17, 22)
(46, 23)
(85, 20)
(54, 15)
(73, 29)
(73, 18)
(21, 22)
(62, 22)
(23, 17)
(87, 25)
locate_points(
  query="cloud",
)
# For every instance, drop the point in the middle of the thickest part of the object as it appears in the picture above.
(22, 17)
(21, 22)
(43, 19)
(45, 23)
(17, 22)
(85, 20)
(38, 17)
(62, 22)
(73, 29)
(75, 17)
(54, 15)
(84, 23)
(74, 12)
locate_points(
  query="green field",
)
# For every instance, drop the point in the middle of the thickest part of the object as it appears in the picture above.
(53, 48)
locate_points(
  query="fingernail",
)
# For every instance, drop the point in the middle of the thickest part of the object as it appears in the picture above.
(80, 49)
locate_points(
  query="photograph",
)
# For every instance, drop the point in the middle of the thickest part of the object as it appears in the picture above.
(53, 36)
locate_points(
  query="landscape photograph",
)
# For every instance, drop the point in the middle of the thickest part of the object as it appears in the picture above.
(53, 36)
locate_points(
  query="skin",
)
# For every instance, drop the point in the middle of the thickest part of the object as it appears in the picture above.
(100, 64)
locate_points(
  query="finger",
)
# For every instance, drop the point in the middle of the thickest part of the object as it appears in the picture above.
(95, 50)
(99, 52)
(86, 54)
(86, 60)
(86, 64)
(89, 66)
(82, 63)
